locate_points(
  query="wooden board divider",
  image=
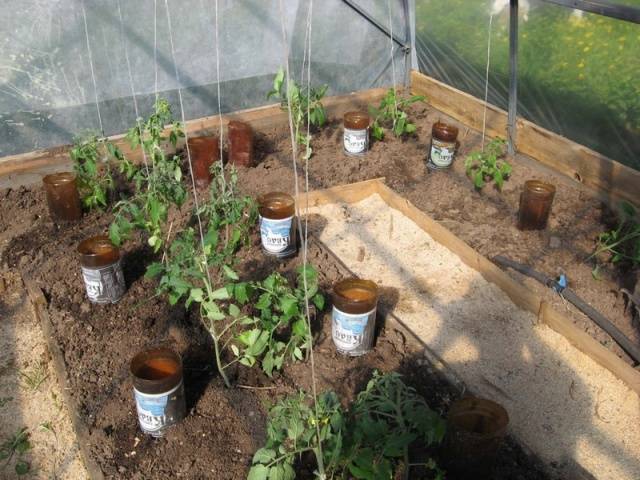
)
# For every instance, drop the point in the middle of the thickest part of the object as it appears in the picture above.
(611, 180)
(518, 293)
(259, 118)
(41, 314)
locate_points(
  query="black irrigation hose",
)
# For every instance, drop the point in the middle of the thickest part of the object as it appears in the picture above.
(625, 343)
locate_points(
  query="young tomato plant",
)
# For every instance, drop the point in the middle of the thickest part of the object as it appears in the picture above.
(390, 114)
(387, 417)
(292, 431)
(295, 97)
(370, 441)
(489, 164)
(623, 242)
(280, 329)
(158, 185)
(91, 155)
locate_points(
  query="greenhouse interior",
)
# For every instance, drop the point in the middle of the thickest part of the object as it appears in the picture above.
(339, 239)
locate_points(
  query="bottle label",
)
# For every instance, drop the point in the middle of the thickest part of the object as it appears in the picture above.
(104, 284)
(442, 153)
(353, 333)
(276, 234)
(356, 141)
(156, 412)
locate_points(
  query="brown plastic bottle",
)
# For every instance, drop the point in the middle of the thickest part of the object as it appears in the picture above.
(101, 270)
(63, 197)
(240, 144)
(354, 315)
(443, 146)
(476, 429)
(356, 133)
(204, 151)
(158, 389)
(277, 223)
(535, 205)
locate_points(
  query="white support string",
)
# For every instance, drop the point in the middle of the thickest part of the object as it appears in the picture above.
(486, 83)
(186, 139)
(393, 62)
(133, 90)
(93, 74)
(294, 148)
(155, 46)
(220, 133)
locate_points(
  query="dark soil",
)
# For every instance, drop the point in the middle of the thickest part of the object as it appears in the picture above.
(225, 426)
(486, 220)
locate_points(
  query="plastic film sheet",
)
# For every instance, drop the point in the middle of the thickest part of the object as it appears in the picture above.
(578, 73)
(46, 85)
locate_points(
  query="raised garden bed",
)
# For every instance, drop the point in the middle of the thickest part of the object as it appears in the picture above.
(225, 427)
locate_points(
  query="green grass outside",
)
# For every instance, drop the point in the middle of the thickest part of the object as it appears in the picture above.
(579, 77)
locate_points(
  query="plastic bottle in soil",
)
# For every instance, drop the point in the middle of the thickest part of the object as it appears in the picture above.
(356, 133)
(240, 144)
(101, 270)
(158, 389)
(476, 428)
(443, 146)
(353, 321)
(535, 205)
(63, 197)
(277, 223)
(204, 151)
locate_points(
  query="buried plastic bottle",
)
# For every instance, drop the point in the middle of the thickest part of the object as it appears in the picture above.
(277, 224)
(101, 270)
(158, 390)
(353, 320)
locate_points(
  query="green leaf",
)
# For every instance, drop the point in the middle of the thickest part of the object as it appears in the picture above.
(260, 344)
(154, 269)
(230, 273)
(264, 455)
(318, 301)
(22, 467)
(478, 179)
(196, 294)
(289, 305)
(264, 301)
(299, 327)
(258, 472)
(220, 294)
(249, 337)
(240, 292)
(298, 353)
(114, 234)
(276, 472)
(234, 311)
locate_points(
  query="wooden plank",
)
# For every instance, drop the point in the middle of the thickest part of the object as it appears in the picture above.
(518, 293)
(259, 118)
(350, 193)
(39, 305)
(610, 179)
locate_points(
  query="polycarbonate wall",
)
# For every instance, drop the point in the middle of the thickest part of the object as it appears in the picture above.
(47, 88)
(578, 73)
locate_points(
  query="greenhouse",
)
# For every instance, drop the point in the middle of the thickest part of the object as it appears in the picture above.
(340, 239)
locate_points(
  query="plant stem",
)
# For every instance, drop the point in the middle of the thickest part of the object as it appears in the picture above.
(218, 362)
